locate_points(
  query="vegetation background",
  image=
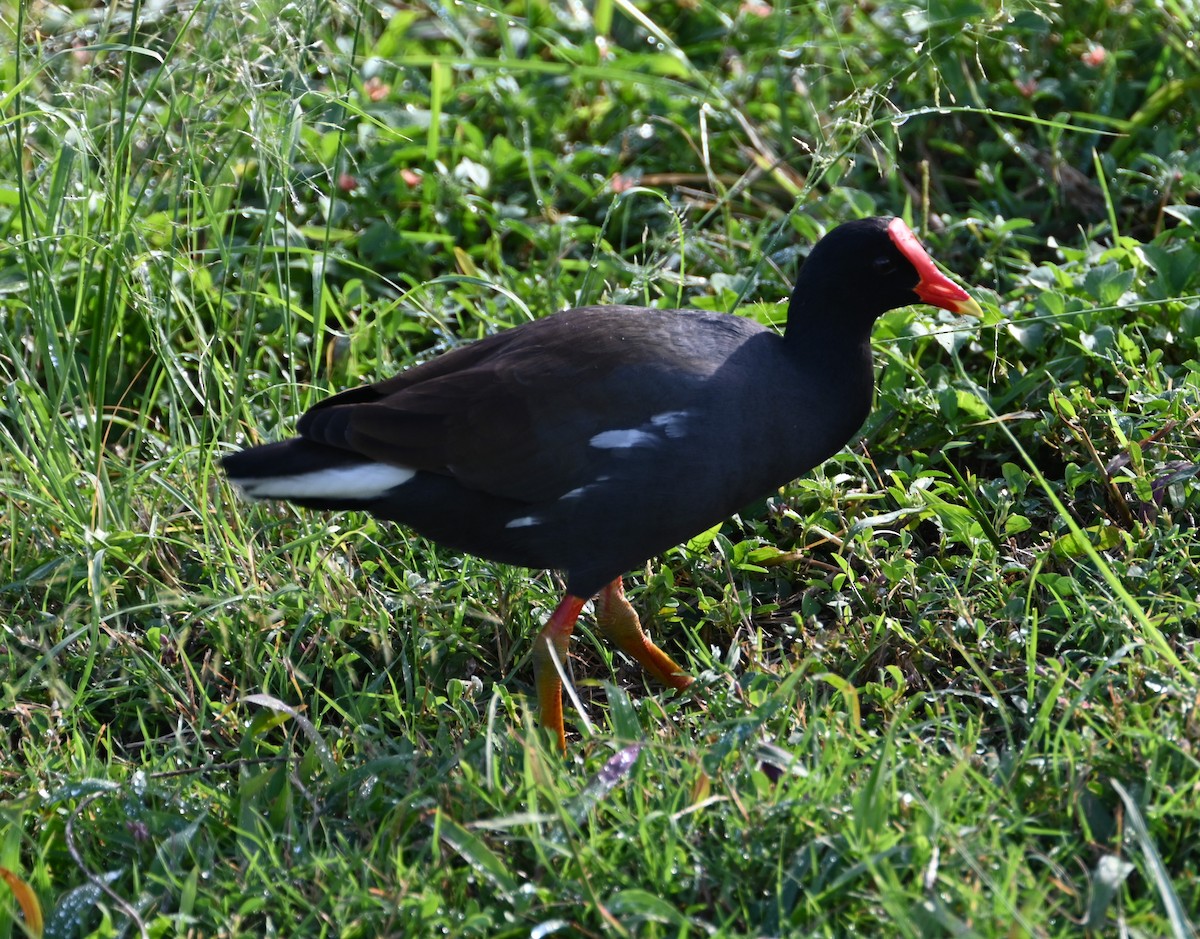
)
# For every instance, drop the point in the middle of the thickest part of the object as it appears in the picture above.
(949, 678)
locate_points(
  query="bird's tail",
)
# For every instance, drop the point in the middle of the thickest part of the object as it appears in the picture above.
(311, 474)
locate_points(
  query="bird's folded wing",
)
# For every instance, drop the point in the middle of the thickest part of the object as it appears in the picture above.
(521, 427)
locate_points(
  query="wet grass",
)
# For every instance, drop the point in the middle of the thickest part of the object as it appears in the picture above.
(949, 678)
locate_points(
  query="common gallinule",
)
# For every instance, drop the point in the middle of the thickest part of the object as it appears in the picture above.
(595, 438)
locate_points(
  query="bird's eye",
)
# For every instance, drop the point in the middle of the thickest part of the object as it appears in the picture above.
(884, 265)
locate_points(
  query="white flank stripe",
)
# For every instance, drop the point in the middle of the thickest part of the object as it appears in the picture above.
(668, 423)
(618, 439)
(367, 481)
(671, 422)
(579, 491)
(524, 522)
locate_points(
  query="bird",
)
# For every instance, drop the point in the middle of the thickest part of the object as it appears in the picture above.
(595, 438)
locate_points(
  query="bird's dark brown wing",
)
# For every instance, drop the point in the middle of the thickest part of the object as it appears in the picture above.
(513, 415)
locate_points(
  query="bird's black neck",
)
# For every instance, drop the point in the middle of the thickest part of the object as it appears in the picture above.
(822, 329)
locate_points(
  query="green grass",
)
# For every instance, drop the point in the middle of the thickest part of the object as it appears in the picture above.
(949, 679)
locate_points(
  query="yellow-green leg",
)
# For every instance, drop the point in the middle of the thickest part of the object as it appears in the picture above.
(620, 624)
(555, 634)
